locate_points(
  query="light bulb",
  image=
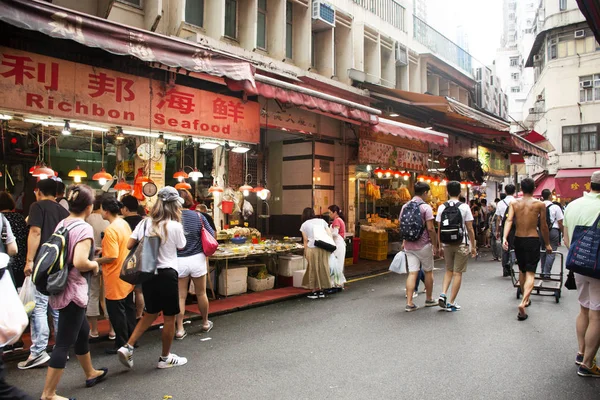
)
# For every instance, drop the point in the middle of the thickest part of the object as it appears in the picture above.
(379, 174)
(77, 179)
(102, 181)
(246, 193)
(180, 178)
(195, 178)
(43, 176)
(406, 177)
(369, 168)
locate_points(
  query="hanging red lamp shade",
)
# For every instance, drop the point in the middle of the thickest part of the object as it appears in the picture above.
(145, 179)
(123, 185)
(43, 172)
(183, 185)
(406, 176)
(215, 189)
(397, 174)
(388, 173)
(36, 166)
(258, 189)
(102, 177)
(77, 174)
(245, 189)
(180, 175)
(378, 172)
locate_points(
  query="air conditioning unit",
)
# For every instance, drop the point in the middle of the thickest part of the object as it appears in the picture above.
(580, 34)
(537, 58)
(401, 55)
(323, 16)
(586, 84)
(540, 97)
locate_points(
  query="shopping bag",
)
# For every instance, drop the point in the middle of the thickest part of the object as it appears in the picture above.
(209, 243)
(399, 263)
(13, 318)
(584, 252)
(323, 239)
(570, 283)
(140, 265)
(27, 294)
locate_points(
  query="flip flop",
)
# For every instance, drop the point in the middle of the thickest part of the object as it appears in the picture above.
(528, 304)
(206, 330)
(522, 317)
(92, 336)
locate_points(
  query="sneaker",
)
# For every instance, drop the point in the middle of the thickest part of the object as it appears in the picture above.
(431, 303)
(442, 301)
(411, 308)
(579, 359)
(172, 360)
(321, 295)
(453, 307)
(34, 361)
(313, 295)
(126, 356)
(593, 372)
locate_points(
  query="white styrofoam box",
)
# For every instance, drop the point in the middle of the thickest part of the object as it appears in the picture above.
(298, 276)
(288, 263)
(237, 281)
(258, 285)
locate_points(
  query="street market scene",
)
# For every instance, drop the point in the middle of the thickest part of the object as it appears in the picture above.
(289, 199)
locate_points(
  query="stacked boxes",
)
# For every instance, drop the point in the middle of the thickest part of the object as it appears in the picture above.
(373, 245)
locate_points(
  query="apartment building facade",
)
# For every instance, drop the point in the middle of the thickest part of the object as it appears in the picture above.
(564, 103)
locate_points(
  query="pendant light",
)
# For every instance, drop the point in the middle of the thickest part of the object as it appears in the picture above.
(102, 177)
(181, 175)
(245, 188)
(123, 185)
(77, 174)
(183, 185)
(195, 174)
(43, 172)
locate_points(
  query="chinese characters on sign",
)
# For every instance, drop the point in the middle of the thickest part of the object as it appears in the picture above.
(43, 85)
(370, 152)
(493, 162)
(293, 119)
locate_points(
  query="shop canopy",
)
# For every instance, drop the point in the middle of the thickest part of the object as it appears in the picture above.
(546, 182)
(300, 96)
(571, 183)
(396, 128)
(591, 10)
(123, 40)
(538, 139)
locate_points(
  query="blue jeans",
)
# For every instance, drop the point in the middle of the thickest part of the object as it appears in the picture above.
(40, 331)
(547, 260)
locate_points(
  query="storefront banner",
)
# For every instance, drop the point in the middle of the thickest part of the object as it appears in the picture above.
(122, 40)
(291, 118)
(396, 141)
(572, 188)
(493, 162)
(36, 84)
(385, 155)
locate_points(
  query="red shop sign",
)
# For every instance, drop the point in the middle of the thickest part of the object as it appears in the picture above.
(37, 84)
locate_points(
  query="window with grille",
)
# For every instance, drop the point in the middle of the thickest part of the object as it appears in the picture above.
(515, 89)
(514, 61)
(261, 25)
(515, 76)
(231, 18)
(589, 88)
(194, 12)
(580, 138)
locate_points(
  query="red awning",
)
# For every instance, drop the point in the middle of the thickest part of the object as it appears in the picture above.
(537, 139)
(545, 183)
(396, 128)
(571, 183)
(310, 99)
(516, 159)
(527, 147)
(123, 40)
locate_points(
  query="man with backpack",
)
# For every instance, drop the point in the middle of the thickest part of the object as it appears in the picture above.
(501, 216)
(554, 217)
(420, 243)
(584, 211)
(457, 240)
(44, 215)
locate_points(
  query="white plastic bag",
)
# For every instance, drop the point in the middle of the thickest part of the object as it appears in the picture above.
(13, 319)
(27, 293)
(399, 263)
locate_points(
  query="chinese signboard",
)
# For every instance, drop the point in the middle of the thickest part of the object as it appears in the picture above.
(396, 141)
(492, 162)
(293, 119)
(572, 188)
(41, 85)
(386, 155)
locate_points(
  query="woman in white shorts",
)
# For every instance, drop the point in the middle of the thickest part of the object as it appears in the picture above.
(192, 263)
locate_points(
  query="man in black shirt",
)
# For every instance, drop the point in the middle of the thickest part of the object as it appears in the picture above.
(44, 215)
(129, 211)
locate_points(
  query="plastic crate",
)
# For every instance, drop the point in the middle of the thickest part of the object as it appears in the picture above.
(368, 235)
(375, 256)
(373, 242)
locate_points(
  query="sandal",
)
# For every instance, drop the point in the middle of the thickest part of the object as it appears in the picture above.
(94, 335)
(528, 304)
(181, 336)
(206, 330)
(112, 336)
(522, 317)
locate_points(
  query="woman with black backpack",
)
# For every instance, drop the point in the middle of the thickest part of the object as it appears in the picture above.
(73, 328)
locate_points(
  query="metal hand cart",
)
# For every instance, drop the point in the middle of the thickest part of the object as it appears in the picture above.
(552, 284)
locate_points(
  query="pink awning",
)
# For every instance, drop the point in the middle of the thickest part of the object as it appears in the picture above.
(571, 183)
(545, 183)
(123, 40)
(396, 128)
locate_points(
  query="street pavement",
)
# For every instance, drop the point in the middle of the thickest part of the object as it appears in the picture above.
(360, 344)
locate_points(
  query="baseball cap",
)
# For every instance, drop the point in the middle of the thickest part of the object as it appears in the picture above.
(595, 177)
(169, 194)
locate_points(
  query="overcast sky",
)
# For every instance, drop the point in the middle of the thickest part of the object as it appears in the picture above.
(481, 20)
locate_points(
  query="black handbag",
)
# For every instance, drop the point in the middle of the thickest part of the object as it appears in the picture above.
(325, 246)
(570, 283)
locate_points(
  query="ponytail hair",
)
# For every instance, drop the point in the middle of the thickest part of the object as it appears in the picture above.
(112, 205)
(80, 197)
(338, 210)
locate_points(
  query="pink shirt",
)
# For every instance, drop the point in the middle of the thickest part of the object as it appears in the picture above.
(77, 285)
(341, 225)
(427, 215)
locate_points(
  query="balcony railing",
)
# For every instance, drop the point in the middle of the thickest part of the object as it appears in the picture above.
(441, 46)
(388, 10)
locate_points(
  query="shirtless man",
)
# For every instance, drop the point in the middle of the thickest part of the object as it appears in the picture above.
(525, 214)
